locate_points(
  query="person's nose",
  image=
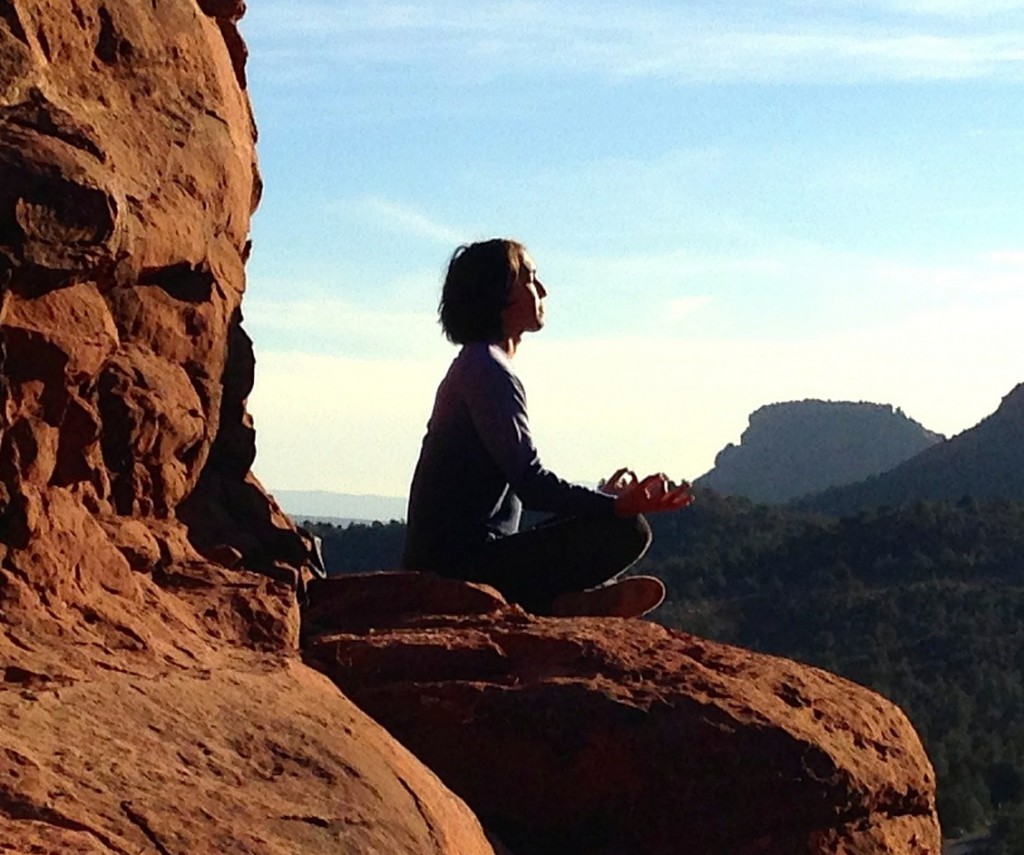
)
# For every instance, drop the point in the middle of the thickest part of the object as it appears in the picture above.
(542, 292)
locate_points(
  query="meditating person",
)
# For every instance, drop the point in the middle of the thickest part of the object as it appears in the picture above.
(478, 467)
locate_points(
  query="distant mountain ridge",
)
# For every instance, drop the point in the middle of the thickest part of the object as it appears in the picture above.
(794, 448)
(984, 462)
(325, 505)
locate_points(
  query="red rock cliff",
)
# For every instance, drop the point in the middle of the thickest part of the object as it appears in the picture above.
(127, 177)
(149, 688)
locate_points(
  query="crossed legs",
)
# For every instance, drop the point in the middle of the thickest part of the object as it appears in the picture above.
(534, 566)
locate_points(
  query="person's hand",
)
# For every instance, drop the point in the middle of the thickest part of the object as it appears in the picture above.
(620, 481)
(650, 495)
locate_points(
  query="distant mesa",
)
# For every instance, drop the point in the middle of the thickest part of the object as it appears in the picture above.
(984, 462)
(799, 447)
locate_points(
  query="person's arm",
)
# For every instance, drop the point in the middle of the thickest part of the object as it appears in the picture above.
(497, 405)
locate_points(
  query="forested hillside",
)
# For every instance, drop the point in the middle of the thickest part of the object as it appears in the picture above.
(360, 547)
(924, 604)
(986, 461)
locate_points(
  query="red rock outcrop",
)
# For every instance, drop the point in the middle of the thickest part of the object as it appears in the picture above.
(150, 688)
(127, 178)
(612, 736)
(246, 754)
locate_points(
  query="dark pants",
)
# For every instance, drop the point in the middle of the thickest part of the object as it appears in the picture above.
(534, 566)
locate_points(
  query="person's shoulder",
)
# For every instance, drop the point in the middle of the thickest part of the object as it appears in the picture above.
(479, 357)
(484, 366)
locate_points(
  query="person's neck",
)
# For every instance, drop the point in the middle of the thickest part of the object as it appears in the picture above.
(509, 345)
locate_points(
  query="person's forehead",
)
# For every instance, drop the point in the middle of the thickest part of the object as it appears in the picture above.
(527, 261)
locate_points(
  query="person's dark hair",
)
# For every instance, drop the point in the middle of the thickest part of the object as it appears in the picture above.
(476, 289)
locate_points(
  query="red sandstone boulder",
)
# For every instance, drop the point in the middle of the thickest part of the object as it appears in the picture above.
(604, 735)
(241, 754)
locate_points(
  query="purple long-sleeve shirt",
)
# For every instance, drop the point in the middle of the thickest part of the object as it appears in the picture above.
(478, 466)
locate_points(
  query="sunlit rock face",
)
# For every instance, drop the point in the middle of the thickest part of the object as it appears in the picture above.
(127, 179)
(621, 737)
(150, 689)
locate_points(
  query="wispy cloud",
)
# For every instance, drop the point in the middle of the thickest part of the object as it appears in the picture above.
(1009, 258)
(400, 218)
(683, 307)
(326, 315)
(999, 272)
(956, 8)
(691, 42)
(327, 325)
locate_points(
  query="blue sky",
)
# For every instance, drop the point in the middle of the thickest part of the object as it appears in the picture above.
(731, 204)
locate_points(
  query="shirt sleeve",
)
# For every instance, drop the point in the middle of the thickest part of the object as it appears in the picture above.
(497, 406)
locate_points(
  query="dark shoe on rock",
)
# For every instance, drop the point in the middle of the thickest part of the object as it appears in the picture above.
(631, 597)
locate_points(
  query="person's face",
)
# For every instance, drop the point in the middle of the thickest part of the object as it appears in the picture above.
(525, 309)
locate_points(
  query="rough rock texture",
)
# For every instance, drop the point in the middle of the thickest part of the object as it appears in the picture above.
(150, 691)
(619, 736)
(127, 177)
(246, 754)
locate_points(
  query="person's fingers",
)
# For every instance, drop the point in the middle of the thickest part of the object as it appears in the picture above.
(676, 498)
(654, 487)
(647, 482)
(681, 492)
(652, 494)
(611, 481)
(615, 476)
(620, 480)
(683, 501)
